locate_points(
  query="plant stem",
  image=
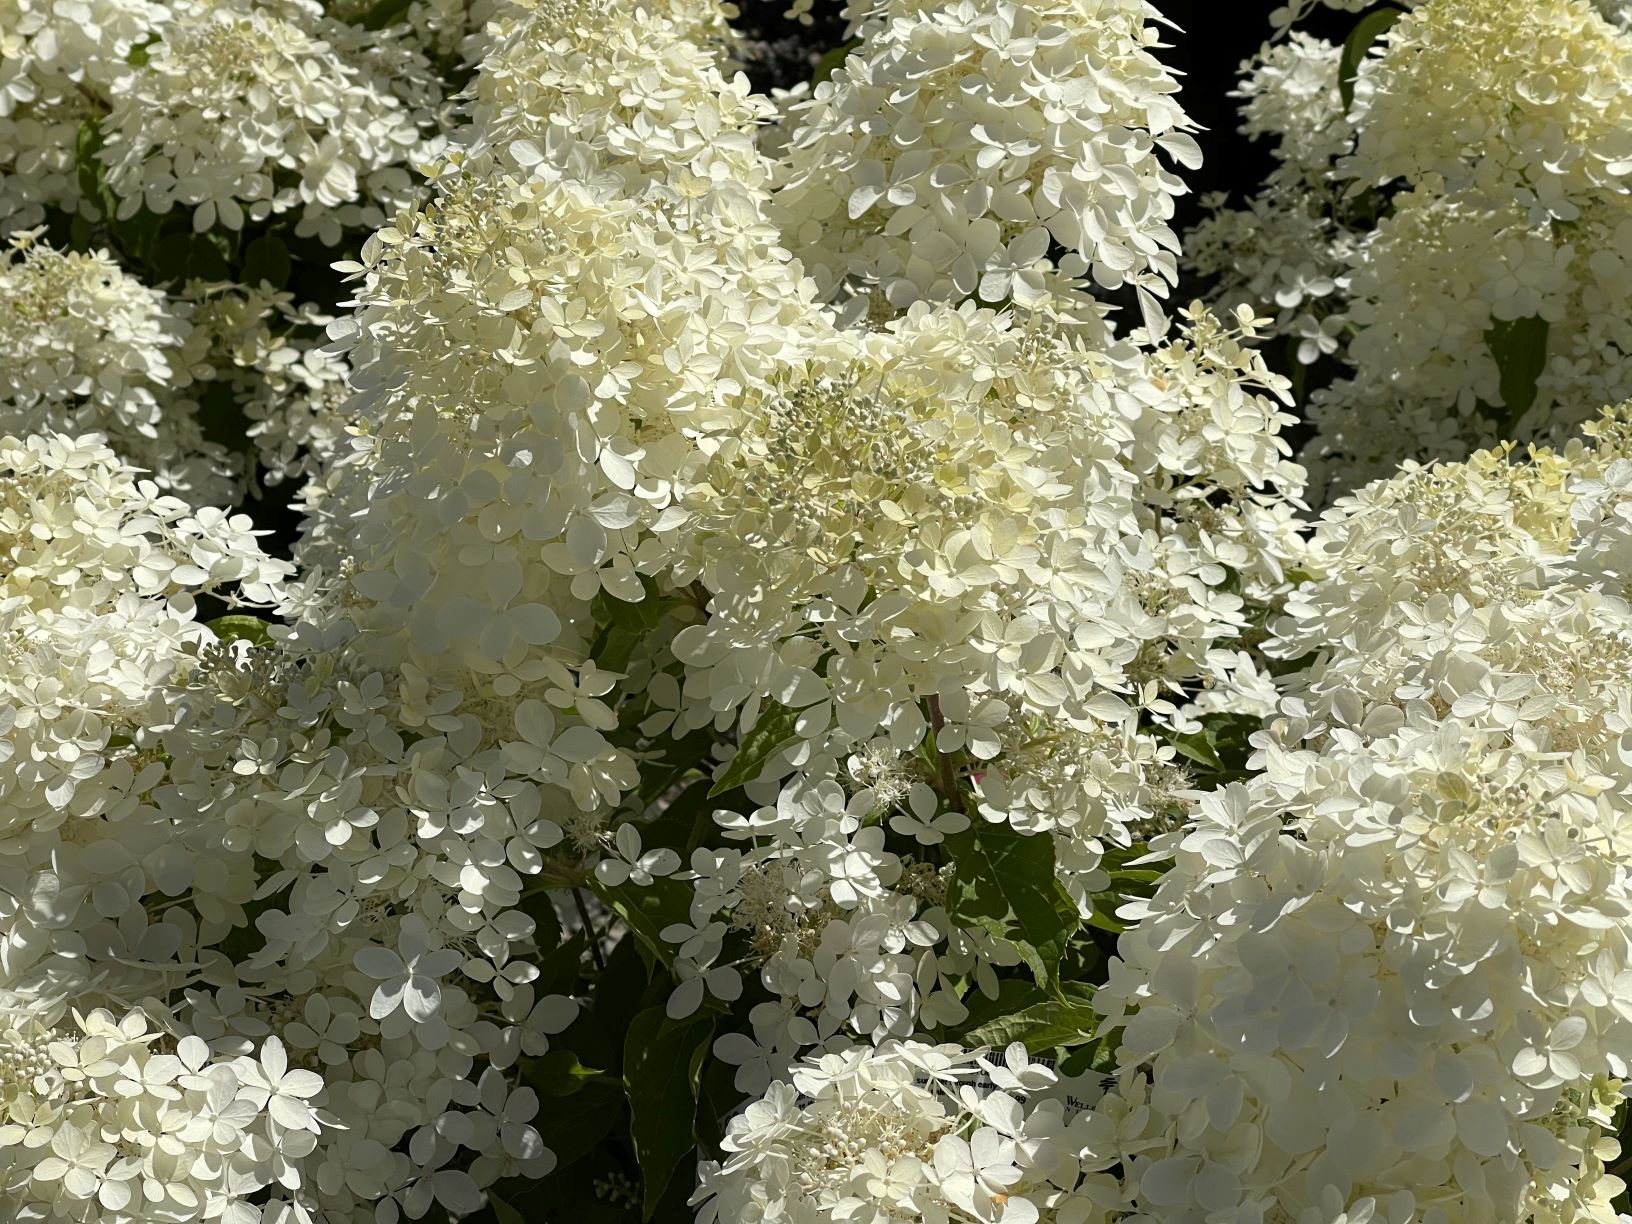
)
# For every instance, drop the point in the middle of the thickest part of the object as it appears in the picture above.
(589, 928)
(943, 761)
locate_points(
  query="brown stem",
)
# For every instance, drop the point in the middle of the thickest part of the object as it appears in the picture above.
(943, 760)
(589, 928)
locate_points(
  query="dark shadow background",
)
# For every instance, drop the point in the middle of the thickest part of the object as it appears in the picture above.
(1206, 52)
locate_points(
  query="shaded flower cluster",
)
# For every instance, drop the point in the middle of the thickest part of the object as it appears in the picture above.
(1455, 235)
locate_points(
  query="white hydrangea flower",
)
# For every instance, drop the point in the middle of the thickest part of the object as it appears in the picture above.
(58, 66)
(1423, 893)
(232, 100)
(1436, 923)
(101, 762)
(1464, 589)
(892, 1133)
(1476, 183)
(85, 347)
(904, 181)
(247, 109)
(271, 356)
(956, 560)
(1043, 541)
(100, 1125)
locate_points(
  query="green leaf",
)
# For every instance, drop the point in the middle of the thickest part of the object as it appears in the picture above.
(674, 759)
(1004, 883)
(1195, 746)
(560, 968)
(266, 259)
(642, 613)
(223, 246)
(771, 734)
(87, 142)
(136, 234)
(384, 13)
(137, 56)
(246, 937)
(1098, 1055)
(557, 1073)
(1286, 667)
(576, 1132)
(80, 233)
(1104, 1056)
(1013, 995)
(718, 1099)
(613, 649)
(251, 629)
(622, 625)
(1137, 877)
(618, 996)
(502, 1211)
(182, 255)
(662, 1064)
(1104, 914)
(1043, 1026)
(832, 61)
(1366, 31)
(537, 905)
(647, 910)
(1520, 350)
(684, 825)
(1118, 858)
(1220, 747)
(88, 167)
(1126, 881)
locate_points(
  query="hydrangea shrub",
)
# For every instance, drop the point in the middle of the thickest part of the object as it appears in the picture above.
(586, 641)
